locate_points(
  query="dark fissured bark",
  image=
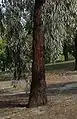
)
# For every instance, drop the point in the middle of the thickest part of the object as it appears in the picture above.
(38, 86)
(76, 52)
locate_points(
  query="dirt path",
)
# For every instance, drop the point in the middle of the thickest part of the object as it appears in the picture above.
(61, 93)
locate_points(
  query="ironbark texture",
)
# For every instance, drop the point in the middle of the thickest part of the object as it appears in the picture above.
(38, 85)
(76, 52)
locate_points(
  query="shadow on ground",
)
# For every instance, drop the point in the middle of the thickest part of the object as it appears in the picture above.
(14, 100)
(21, 100)
(62, 88)
(10, 105)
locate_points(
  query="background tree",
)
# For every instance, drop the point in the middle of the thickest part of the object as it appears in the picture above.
(75, 52)
(18, 39)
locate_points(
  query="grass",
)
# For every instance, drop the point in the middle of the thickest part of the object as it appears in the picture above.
(68, 65)
(5, 76)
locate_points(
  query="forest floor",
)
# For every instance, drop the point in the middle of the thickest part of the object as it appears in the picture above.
(61, 94)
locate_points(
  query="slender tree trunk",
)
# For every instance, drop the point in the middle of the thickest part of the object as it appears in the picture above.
(65, 51)
(3, 68)
(66, 57)
(76, 52)
(38, 86)
(19, 62)
(15, 72)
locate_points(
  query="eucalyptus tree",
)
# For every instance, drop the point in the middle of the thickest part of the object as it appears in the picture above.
(38, 85)
(3, 59)
(60, 27)
(16, 35)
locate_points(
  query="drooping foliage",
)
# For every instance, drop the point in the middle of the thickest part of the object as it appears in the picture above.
(16, 18)
(59, 21)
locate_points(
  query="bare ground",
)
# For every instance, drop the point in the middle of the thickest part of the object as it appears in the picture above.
(61, 93)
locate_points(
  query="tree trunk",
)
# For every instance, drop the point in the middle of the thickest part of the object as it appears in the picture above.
(19, 62)
(38, 85)
(65, 51)
(3, 68)
(76, 52)
(66, 57)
